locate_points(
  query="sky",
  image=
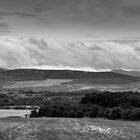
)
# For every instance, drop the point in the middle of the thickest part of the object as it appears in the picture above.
(72, 34)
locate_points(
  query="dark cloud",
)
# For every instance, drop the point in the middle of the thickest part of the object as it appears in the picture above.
(4, 28)
(42, 8)
(79, 8)
(17, 13)
(131, 38)
(3, 25)
(130, 6)
(89, 36)
(73, 18)
(134, 11)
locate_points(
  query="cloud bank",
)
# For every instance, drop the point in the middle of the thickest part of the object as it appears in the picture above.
(71, 19)
(40, 53)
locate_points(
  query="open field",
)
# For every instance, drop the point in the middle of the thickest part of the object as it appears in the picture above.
(39, 83)
(68, 129)
(66, 85)
(13, 112)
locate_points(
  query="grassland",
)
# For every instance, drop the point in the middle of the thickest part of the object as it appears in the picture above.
(37, 85)
(68, 129)
(60, 85)
(13, 112)
(24, 84)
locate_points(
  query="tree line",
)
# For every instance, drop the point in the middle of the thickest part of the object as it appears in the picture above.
(111, 105)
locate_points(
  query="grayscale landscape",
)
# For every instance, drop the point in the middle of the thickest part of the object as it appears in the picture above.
(69, 70)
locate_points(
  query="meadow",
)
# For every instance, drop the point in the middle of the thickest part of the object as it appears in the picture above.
(61, 85)
(13, 112)
(68, 129)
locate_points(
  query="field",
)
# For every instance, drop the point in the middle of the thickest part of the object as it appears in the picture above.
(68, 129)
(13, 112)
(16, 128)
(59, 85)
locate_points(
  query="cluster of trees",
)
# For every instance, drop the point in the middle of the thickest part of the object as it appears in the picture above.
(116, 99)
(62, 109)
(118, 105)
(3, 99)
(126, 114)
(8, 100)
(37, 98)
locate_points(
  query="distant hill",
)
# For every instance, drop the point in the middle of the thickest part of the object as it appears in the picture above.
(78, 76)
(1, 69)
(131, 73)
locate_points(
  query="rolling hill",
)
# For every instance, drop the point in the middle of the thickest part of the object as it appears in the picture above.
(66, 80)
(2, 70)
(34, 74)
(130, 73)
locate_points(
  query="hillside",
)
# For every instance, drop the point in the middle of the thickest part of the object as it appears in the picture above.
(130, 73)
(2, 70)
(68, 129)
(34, 74)
(66, 80)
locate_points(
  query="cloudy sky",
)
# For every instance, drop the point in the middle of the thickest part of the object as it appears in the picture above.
(73, 34)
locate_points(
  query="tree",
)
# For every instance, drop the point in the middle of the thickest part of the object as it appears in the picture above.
(135, 114)
(116, 113)
(33, 114)
(107, 112)
(127, 114)
(94, 112)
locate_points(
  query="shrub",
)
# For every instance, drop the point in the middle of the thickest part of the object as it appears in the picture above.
(107, 112)
(33, 114)
(135, 114)
(86, 114)
(94, 112)
(80, 114)
(127, 114)
(116, 113)
(101, 112)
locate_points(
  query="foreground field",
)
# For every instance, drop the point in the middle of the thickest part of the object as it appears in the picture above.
(68, 129)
